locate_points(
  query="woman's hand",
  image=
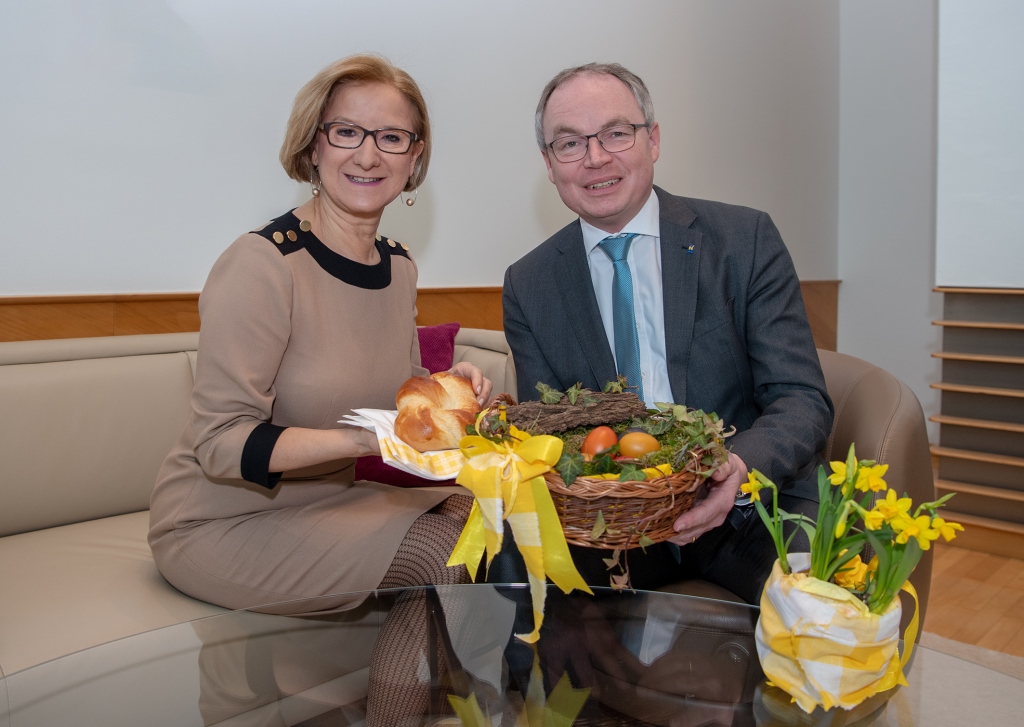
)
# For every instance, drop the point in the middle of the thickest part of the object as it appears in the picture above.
(481, 385)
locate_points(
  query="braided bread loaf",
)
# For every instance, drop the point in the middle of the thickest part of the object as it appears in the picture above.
(433, 412)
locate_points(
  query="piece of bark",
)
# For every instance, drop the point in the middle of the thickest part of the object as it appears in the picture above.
(536, 417)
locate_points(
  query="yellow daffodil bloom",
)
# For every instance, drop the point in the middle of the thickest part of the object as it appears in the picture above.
(873, 565)
(853, 575)
(947, 529)
(752, 487)
(873, 520)
(870, 478)
(893, 507)
(838, 475)
(919, 528)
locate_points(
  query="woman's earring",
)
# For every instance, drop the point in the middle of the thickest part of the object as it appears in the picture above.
(411, 200)
(315, 183)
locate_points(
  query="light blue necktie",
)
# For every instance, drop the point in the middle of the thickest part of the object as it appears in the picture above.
(627, 345)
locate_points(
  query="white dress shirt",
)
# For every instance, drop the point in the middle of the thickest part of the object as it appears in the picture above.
(644, 260)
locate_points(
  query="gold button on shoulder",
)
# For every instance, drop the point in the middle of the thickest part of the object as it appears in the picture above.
(405, 247)
(291, 235)
(392, 243)
(305, 226)
(278, 238)
(377, 237)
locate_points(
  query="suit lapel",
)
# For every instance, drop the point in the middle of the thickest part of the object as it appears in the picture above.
(572, 274)
(680, 265)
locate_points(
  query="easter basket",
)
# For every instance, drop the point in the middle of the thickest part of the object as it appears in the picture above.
(633, 502)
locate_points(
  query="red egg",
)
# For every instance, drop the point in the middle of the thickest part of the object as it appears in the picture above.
(599, 440)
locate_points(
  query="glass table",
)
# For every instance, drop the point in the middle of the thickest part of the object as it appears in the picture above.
(609, 659)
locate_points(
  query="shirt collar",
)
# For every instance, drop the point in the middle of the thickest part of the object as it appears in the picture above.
(647, 222)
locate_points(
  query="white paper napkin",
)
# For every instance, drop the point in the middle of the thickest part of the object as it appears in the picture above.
(437, 465)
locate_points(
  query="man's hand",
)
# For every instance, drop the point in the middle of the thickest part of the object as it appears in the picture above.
(711, 513)
(481, 385)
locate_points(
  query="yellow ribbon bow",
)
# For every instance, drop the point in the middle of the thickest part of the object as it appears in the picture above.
(506, 479)
(559, 709)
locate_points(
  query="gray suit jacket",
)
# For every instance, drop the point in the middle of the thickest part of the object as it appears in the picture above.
(737, 338)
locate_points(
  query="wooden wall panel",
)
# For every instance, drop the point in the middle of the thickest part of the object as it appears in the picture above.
(821, 299)
(472, 307)
(29, 318)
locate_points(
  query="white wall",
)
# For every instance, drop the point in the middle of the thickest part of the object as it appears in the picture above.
(980, 153)
(887, 189)
(139, 137)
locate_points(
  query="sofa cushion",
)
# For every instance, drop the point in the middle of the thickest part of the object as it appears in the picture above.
(84, 439)
(73, 587)
(437, 346)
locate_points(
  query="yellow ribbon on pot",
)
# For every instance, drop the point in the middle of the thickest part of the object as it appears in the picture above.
(506, 479)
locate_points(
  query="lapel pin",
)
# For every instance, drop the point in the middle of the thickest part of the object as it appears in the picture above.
(689, 250)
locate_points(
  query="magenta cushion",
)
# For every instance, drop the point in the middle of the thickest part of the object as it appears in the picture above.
(437, 349)
(437, 346)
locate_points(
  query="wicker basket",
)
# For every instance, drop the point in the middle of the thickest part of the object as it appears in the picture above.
(630, 509)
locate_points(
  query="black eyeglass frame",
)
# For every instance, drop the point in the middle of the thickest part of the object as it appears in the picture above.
(587, 137)
(326, 127)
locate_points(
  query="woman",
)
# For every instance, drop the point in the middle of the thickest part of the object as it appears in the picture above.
(302, 321)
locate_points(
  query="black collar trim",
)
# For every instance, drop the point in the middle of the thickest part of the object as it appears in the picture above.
(288, 236)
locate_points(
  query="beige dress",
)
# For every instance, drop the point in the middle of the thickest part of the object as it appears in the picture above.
(292, 334)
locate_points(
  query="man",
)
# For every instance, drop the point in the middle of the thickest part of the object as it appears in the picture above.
(696, 302)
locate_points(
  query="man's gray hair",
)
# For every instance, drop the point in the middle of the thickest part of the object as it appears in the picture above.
(633, 81)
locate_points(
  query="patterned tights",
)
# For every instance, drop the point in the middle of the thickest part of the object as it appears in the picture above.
(397, 693)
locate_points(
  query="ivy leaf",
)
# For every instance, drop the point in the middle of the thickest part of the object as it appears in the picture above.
(570, 466)
(631, 473)
(645, 542)
(616, 386)
(599, 526)
(620, 582)
(574, 392)
(609, 563)
(547, 394)
(588, 398)
(658, 426)
(603, 463)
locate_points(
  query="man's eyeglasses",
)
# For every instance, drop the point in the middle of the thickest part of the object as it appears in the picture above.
(350, 136)
(614, 139)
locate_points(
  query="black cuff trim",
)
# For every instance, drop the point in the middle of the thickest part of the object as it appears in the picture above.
(256, 455)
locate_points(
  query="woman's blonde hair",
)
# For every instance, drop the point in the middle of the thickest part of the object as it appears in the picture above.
(311, 102)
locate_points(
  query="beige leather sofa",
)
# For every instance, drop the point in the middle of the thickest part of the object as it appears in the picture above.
(86, 423)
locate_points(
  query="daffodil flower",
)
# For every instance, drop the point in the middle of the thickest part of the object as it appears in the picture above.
(853, 575)
(947, 529)
(919, 528)
(873, 520)
(752, 487)
(893, 507)
(838, 475)
(870, 478)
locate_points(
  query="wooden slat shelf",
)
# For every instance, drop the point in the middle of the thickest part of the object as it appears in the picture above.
(970, 389)
(973, 456)
(985, 522)
(978, 423)
(999, 493)
(981, 291)
(981, 324)
(979, 357)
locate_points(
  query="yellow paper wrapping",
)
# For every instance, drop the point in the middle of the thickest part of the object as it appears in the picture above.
(507, 482)
(821, 644)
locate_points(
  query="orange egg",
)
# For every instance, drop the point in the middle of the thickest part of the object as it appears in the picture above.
(598, 440)
(637, 444)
